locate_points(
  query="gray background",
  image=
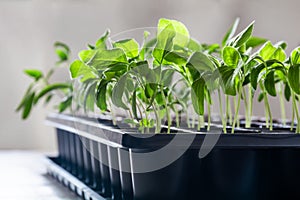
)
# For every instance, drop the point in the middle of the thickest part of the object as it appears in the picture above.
(29, 28)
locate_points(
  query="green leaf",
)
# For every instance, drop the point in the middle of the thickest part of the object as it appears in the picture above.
(79, 69)
(194, 45)
(166, 77)
(231, 56)
(27, 93)
(176, 58)
(143, 49)
(115, 70)
(101, 42)
(267, 51)
(244, 36)
(270, 84)
(182, 36)
(198, 95)
(230, 33)
(65, 104)
(279, 54)
(255, 42)
(48, 98)
(260, 97)
(142, 71)
(146, 51)
(294, 78)
(254, 75)
(62, 46)
(28, 105)
(100, 95)
(130, 47)
(227, 79)
(34, 73)
(150, 89)
(281, 44)
(63, 56)
(200, 62)
(295, 56)
(89, 96)
(104, 58)
(86, 55)
(164, 43)
(287, 92)
(62, 51)
(50, 88)
(118, 91)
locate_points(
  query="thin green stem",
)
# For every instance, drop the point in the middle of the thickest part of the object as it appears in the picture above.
(112, 114)
(295, 107)
(266, 114)
(282, 106)
(158, 120)
(146, 115)
(235, 106)
(167, 110)
(250, 99)
(268, 111)
(188, 119)
(228, 110)
(200, 122)
(208, 117)
(247, 125)
(194, 120)
(221, 111)
(269, 118)
(177, 117)
(293, 118)
(236, 115)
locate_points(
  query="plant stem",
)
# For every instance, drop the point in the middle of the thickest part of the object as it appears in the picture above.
(167, 110)
(228, 110)
(194, 120)
(247, 125)
(296, 112)
(158, 121)
(140, 111)
(177, 117)
(237, 109)
(112, 114)
(208, 117)
(298, 123)
(146, 116)
(293, 118)
(200, 122)
(281, 98)
(250, 99)
(269, 118)
(266, 114)
(221, 111)
(268, 110)
(188, 119)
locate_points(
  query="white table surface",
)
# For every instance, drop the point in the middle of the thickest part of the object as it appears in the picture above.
(23, 177)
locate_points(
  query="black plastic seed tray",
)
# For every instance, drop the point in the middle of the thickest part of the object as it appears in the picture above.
(70, 181)
(250, 165)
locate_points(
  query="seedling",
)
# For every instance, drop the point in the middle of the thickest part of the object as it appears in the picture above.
(168, 74)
